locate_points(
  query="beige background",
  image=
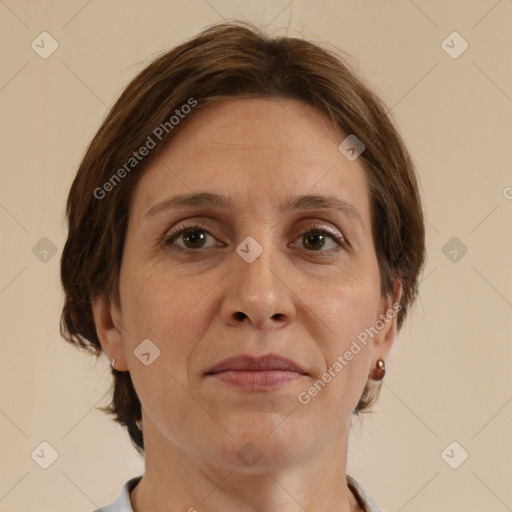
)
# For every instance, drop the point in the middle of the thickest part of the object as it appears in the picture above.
(449, 375)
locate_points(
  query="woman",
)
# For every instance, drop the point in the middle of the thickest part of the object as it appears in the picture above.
(245, 240)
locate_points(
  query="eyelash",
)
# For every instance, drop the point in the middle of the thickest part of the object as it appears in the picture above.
(314, 229)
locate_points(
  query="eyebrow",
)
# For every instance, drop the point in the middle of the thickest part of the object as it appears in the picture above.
(303, 202)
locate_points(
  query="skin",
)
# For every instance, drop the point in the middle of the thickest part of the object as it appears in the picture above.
(305, 301)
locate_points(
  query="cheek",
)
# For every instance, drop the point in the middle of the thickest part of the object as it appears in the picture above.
(151, 299)
(142, 305)
(155, 307)
(345, 314)
(344, 308)
(341, 314)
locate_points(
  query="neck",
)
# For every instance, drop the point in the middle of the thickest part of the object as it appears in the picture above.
(175, 480)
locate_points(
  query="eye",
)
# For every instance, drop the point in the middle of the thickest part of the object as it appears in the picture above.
(195, 236)
(315, 238)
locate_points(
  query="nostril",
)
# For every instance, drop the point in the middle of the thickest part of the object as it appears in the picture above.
(240, 315)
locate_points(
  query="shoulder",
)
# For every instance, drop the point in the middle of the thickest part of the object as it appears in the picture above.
(365, 500)
(122, 502)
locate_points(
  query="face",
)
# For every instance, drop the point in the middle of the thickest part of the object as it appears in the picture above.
(206, 282)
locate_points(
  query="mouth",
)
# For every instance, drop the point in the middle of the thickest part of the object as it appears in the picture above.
(250, 373)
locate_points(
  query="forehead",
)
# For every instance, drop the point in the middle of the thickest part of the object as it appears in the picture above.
(259, 126)
(254, 149)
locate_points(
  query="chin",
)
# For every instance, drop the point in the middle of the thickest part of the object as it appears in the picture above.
(258, 444)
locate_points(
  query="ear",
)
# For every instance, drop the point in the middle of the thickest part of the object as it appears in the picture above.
(386, 323)
(108, 331)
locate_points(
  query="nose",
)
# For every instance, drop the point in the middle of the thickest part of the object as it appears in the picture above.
(259, 293)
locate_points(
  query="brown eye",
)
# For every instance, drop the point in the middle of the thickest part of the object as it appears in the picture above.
(314, 241)
(317, 239)
(193, 237)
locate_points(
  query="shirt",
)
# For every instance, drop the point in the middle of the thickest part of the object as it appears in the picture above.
(122, 502)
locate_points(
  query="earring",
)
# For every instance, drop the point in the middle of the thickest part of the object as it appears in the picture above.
(379, 370)
(113, 363)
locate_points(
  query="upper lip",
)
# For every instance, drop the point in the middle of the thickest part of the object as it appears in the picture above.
(251, 363)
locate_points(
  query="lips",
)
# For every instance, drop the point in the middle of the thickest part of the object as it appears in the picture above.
(247, 363)
(256, 374)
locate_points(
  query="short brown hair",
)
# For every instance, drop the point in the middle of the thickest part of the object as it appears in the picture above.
(224, 61)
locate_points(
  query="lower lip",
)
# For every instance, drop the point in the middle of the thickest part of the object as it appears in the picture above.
(258, 380)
